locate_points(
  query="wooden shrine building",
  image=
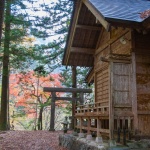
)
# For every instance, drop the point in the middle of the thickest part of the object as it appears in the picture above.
(112, 37)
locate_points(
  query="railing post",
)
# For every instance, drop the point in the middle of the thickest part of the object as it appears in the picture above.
(80, 125)
(81, 98)
(119, 132)
(88, 126)
(98, 127)
(129, 128)
(52, 120)
(124, 135)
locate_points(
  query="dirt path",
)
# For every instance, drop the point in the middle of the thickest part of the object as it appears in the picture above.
(30, 140)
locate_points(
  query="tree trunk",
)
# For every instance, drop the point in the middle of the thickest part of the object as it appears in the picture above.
(2, 5)
(5, 74)
(8, 111)
(40, 119)
(35, 122)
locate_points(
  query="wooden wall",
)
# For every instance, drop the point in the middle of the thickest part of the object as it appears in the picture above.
(119, 35)
(102, 85)
(112, 74)
(101, 70)
(121, 80)
(142, 51)
(110, 48)
(122, 84)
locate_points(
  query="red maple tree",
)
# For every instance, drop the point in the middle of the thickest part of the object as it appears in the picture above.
(145, 14)
(27, 91)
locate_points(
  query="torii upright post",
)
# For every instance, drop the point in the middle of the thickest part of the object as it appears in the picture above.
(52, 121)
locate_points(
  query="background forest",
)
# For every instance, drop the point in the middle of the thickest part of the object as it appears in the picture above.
(33, 39)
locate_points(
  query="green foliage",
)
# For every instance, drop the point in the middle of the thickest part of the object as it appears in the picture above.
(40, 71)
(26, 25)
(81, 74)
(67, 110)
(45, 104)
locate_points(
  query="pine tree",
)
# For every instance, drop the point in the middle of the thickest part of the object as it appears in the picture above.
(5, 74)
(53, 25)
(2, 6)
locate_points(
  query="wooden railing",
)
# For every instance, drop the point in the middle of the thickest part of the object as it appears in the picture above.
(96, 109)
(99, 114)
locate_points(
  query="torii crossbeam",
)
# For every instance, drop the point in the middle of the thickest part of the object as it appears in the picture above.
(66, 90)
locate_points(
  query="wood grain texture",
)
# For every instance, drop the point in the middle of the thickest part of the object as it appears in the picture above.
(121, 83)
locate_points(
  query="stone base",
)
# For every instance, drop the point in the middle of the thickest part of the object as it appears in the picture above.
(142, 144)
(75, 143)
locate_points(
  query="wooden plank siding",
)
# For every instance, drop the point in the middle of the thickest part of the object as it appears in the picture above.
(117, 47)
(122, 83)
(102, 76)
(113, 80)
(142, 54)
(102, 85)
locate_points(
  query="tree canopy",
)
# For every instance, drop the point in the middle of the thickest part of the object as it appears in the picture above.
(33, 40)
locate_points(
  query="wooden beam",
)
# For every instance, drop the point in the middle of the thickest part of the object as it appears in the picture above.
(111, 101)
(123, 114)
(72, 31)
(82, 50)
(145, 112)
(123, 106)
(134, 92)
(88, 27)
(99, 38)
(90, 77)
(67, 98)
(97, 14)
(115, 60)
(71, 90)
(143, 51)
(125, 24)
(112, 40)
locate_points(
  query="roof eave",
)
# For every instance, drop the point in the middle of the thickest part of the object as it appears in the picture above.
(124, 23)
(75, 13)
(97, 14)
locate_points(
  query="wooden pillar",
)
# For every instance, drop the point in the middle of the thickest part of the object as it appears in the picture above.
(118, 123)
(81, 125)
(89, 126)
(52, 120)
(98, 127)
(111, 103)
(74, 95)
(129, 123)
(134, 92)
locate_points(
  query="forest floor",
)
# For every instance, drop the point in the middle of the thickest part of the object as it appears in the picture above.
(30, 140)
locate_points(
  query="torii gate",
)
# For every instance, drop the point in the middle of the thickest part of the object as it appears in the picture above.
(54, 98)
